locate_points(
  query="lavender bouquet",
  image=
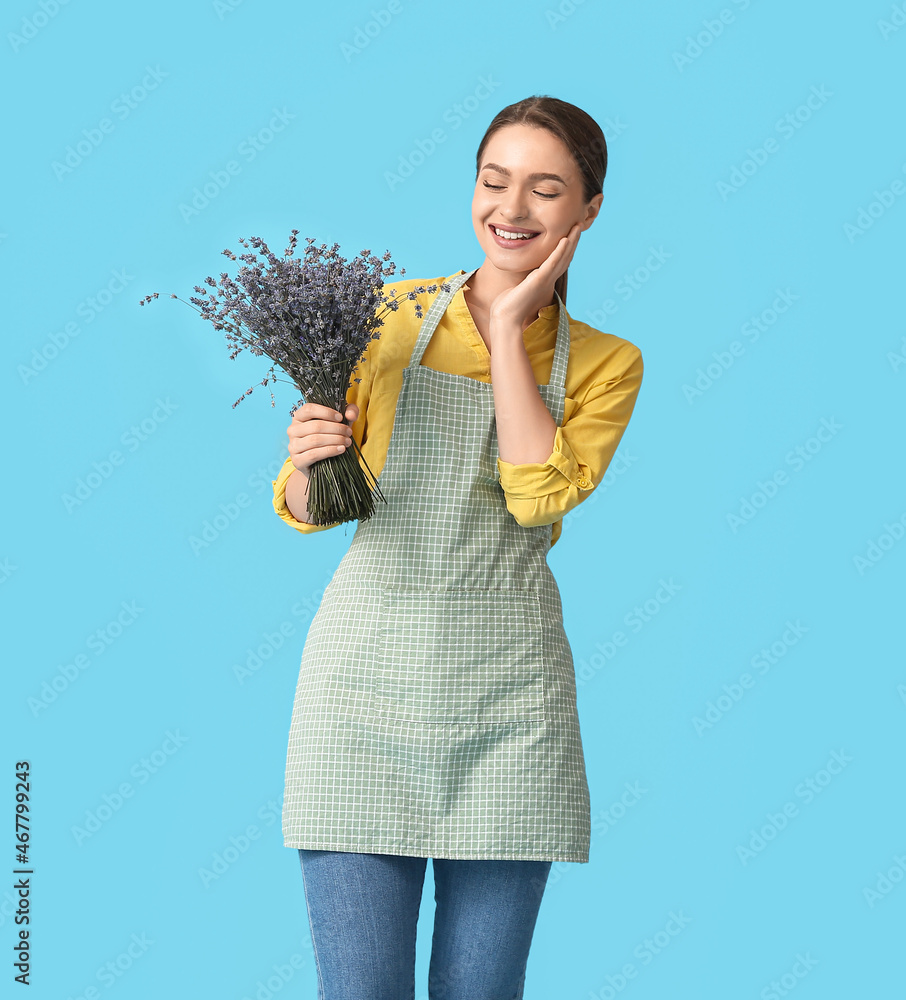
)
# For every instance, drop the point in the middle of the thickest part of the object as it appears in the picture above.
(313, 318)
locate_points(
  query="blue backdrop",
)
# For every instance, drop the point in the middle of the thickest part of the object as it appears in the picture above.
(733, 591)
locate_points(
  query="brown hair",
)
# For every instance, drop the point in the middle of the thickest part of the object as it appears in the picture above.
(578, 131)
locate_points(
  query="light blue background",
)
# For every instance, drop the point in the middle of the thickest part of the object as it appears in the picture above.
(676, 129)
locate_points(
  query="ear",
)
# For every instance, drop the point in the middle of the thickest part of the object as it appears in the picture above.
(591, 211)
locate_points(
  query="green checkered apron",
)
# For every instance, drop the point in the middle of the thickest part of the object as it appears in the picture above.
(435, 711)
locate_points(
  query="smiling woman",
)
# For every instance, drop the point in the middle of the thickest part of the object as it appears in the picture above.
(435, 711)
(512, 194)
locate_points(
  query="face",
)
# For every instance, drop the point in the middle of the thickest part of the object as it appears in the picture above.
(527, 182)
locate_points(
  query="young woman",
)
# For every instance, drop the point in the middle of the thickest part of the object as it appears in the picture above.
(435, 712)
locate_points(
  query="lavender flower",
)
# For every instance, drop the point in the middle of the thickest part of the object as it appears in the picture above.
(313, 318)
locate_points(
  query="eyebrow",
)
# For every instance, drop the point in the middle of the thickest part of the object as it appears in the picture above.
(531, 177)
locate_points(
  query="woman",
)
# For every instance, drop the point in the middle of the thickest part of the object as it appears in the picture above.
(435, 713)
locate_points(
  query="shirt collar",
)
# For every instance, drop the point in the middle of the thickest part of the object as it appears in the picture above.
(539, 335)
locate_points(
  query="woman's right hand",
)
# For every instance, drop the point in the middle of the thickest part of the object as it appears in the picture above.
(318, 432)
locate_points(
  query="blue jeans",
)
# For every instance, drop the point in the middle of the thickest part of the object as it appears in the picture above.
(363, 911)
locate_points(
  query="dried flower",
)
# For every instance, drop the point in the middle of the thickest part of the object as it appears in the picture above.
(313, 318)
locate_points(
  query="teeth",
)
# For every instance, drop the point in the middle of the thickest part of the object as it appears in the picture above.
(512, 236)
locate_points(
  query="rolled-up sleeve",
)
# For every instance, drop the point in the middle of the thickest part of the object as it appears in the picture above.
(543, 492)
(282, 510)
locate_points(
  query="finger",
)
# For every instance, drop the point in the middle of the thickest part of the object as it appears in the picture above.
(572, 241)
(318, 444)
(318, 432)
(315, 455)
(322, 441)
(558, 261)
(316, 411)
(553, 261)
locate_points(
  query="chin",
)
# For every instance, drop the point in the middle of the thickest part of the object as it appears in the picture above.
(505, 261)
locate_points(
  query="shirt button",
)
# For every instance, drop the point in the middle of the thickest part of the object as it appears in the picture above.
(583, 483)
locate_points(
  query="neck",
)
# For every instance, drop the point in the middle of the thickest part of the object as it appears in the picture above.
(488, 282)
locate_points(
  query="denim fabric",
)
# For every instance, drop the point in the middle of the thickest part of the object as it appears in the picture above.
(363, 912)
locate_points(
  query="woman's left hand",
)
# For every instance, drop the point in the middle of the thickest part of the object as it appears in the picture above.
(523, 303)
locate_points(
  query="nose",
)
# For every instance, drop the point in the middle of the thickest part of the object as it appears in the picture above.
(514, 206)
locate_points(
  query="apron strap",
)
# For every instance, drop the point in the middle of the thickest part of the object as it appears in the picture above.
(557, 385)
(432, 317)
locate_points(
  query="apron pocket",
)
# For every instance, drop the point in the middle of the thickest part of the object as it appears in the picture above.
(459, 656)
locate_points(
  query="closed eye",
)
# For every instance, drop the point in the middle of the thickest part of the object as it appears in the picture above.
(499, 187)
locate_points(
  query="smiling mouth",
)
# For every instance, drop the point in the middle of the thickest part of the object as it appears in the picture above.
(508, 234)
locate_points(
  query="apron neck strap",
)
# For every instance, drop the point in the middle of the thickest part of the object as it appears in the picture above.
(561, 351)
(439, 306)
(432, 317)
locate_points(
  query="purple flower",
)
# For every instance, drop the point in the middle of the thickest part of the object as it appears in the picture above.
(313, 317)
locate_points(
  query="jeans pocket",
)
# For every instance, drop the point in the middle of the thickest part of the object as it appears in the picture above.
(459, 656)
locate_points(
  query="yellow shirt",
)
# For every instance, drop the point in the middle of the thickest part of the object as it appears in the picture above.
(602, 381)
